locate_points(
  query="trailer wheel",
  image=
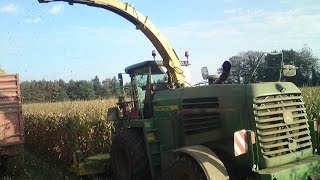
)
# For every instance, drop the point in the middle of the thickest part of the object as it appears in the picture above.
(129, 156)
(185, 167)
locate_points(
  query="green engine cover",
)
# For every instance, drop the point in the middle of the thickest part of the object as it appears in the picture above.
(209, 115)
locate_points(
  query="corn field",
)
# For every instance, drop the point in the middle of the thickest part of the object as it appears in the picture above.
(58, 129)
(311, 97)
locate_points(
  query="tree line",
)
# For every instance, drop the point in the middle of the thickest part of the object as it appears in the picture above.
(243, 70)
(244, 64)
(59, 90)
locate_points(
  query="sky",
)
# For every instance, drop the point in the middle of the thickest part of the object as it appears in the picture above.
(58, 41)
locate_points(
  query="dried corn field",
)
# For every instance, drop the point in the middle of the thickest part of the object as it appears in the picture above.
(311, 97)
(58, 129)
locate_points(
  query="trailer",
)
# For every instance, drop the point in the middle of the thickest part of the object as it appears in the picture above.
(11, 123)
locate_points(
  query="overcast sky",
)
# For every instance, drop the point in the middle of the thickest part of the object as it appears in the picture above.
(58, 41)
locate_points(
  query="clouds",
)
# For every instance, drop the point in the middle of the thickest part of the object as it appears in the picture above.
(300, 25)
(232, 11)
(13, 9)
(56, 9)
(8, 8)
(36, 20)
(285, 1)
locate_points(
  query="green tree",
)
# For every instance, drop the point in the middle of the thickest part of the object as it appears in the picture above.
(56, 92)
(97, 87)
(40, 93)
(85, 90)
(26, 94)
(72, 90)
(110, 87)
(306, 62)
(115, 87)
(106, 90)
(62, 84)
(244, 63)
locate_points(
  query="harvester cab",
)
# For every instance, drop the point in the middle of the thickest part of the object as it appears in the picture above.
(146, 78)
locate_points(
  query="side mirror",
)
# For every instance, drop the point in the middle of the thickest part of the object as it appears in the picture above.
(120, 79)
(289, 70)
(205, 73)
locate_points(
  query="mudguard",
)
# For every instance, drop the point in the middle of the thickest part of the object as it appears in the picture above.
(208, 160)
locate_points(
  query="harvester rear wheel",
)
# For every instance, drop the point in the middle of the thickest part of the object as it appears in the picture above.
(129, 156)
(185, 167)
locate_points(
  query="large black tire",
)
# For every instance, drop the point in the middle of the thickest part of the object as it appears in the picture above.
(186, 168)
(129, 156)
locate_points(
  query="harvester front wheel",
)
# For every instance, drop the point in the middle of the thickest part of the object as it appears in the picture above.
(129, 156)
(185, 167)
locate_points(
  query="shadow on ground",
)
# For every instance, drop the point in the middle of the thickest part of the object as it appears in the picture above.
(38, 167)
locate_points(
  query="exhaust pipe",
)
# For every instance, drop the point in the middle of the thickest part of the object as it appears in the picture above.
(226, 67)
